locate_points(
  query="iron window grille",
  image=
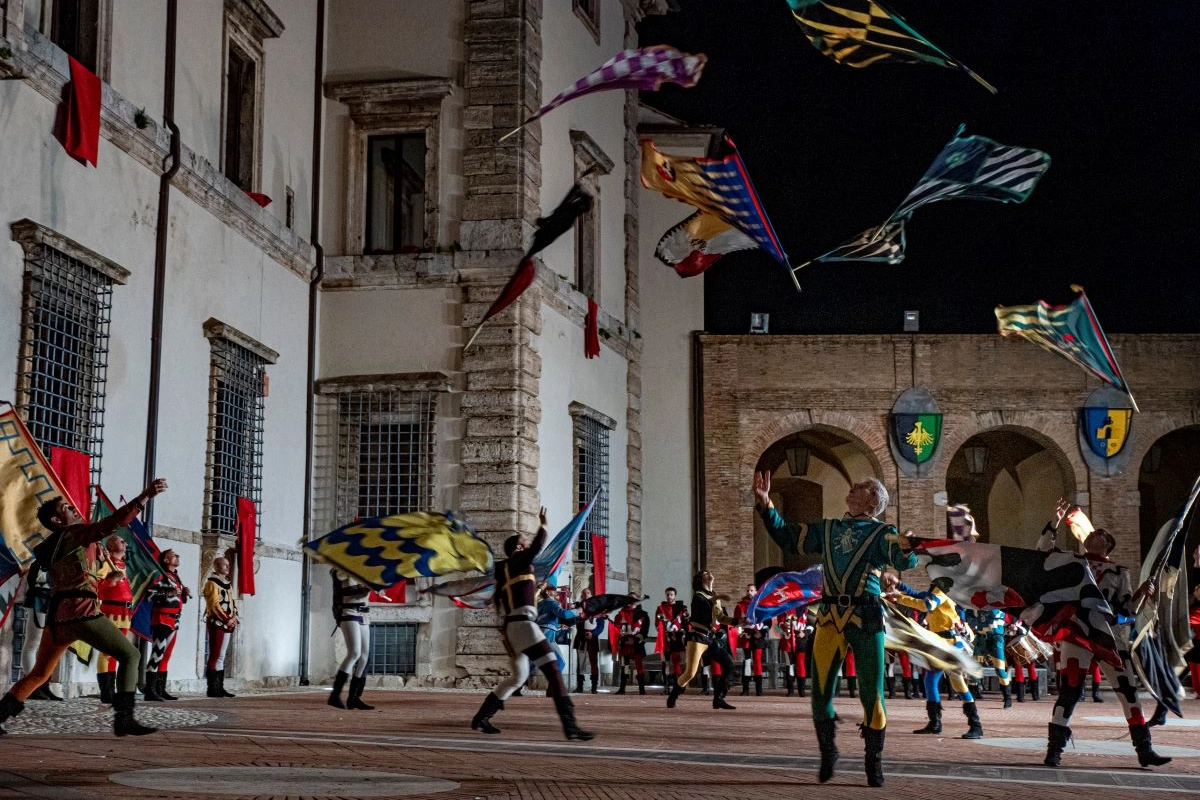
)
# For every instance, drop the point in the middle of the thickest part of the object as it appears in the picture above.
(235, 439)
(393, 648)
(63, 361)
(385, 453)
(591, 471)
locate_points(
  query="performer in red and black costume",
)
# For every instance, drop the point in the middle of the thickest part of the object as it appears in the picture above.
(794, 636)
(116, 601)
(515, 598)
(167, 596)
(672, 620)
(752, 638)
(632, 624)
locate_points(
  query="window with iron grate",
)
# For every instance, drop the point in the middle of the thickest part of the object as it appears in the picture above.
(393, 648)
(591, 471)
(63, 363)
(235, 434)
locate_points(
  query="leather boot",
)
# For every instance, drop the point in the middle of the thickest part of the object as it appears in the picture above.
(354, 698)
(1020, 691)
(745, 686)
(566, 713)
(704, 685)
(1006, 691)
(790, 683)
(10, 706)
(874, 755)
(1058, 738)
(890, 682)
(1035, 691)
(975, 727)
(43, 693)
(221, 690)
(123, 722)
(481, 720)
(150, 689)
(1140, 734)
(758, 685)
(1159, 717)
(1096, 698)
(801, 688)
(108, 682)
(624, 681)
(641, 682)
(934, 712)
(719, 702)
(578, 683)
(210, 678)
(339, 683)
(907, 684)
(595, 683)
(676, 690)
(852, 683)
(162, 687)
(826, 741)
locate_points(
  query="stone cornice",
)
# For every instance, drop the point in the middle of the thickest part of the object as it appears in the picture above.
(413, 271)
(403, 381)
(376, 101)
(215, 329)
(28, 233)
(256, 17)
(589, 154)
(43, 66)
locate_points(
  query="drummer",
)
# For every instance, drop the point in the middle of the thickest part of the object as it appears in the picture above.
(1024, 651)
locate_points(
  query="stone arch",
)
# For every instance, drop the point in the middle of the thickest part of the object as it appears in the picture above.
(1165, 472)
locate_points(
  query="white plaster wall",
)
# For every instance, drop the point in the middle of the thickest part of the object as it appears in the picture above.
(394, 38)
(138, 53)
(568, 53)
(375, 331)
(672, 307)
(199, 74)
(598, 383)
(267, 643)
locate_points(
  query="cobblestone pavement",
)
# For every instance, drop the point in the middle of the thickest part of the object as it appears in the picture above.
(417, 743)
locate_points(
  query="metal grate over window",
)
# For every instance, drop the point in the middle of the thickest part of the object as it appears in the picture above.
(235, 434)
(393, 648)
(591, 470)
(63, 364)
(385, 453)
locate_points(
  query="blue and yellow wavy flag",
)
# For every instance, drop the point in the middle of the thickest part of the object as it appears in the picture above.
(383, 551)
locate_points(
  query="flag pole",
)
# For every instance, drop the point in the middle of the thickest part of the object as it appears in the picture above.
(471, 341)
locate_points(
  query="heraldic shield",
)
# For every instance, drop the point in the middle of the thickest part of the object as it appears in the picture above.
(1105, 429)
(916, 436)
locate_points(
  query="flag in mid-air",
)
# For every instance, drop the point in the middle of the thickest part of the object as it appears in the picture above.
(859, 33)
(573, 206)
(26, 481)
(784, 592)
(142, 567)
(720, 187)
(967, 168)
(695, 244)
(645, 69)
(383, 551)
(1071, 331)
(1056, 589)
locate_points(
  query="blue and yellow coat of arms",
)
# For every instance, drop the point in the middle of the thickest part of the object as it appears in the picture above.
(1105, 429)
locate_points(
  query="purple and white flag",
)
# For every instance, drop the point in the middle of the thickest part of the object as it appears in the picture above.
(645, 69)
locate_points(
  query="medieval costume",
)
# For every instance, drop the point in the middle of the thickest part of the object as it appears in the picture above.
(588, 631)
(671, 618)
(220, 619)
(794, 636)
(116, 601)
(706, 613)
(353, 617)
(167, 596)
(632, 625)
(752, 639)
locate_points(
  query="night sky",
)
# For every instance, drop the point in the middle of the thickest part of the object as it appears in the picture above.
(1111, 91)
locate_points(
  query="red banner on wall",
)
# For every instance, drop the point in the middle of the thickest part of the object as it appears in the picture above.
(599, 564)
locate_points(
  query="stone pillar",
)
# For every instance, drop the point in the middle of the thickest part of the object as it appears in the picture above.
(501, 404)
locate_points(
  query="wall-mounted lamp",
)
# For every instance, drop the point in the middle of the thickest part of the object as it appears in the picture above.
(797, 459)
(977, 459)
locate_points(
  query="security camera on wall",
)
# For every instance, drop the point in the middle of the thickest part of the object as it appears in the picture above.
(760, 322)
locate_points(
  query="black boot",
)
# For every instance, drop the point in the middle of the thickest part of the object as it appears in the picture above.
(852, 683)
(1006, 690)
(1035, 691)
(1159, 717)
(595, 683)
(10, 706)
(1020, 691)
(1096, 698)
(480, 722)
(566, 713)
(758, 685)
(704, 685)
(624, 681)
(975, 727)
(108, 682)
(162, 687)
(578, 683)
(43, 693)
(801, 689)
(934, 712)
(668, 683)
(719, 701)
(826, 741)
(641, 682)
(123, 722)
(745, 686)
(339, 683)
(354, 699)
(907, 684)
(210, 677)
(676, 690)
(874, 755)
(221, 690)
(1059, 736)
(1140, 734)
(890, 682)
(790, 683)
(150, 688)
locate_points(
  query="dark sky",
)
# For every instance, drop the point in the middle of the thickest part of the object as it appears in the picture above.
(1110, 90)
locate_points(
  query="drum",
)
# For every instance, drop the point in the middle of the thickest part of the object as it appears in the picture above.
(1045, 649)
(1022, 650)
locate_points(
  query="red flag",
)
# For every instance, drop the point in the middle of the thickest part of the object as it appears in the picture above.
(521, 280)
(599, 567)
(247, 531)
(392, 594)
(75, 471)
(591, 334)
(80, 127)
(259, 198)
